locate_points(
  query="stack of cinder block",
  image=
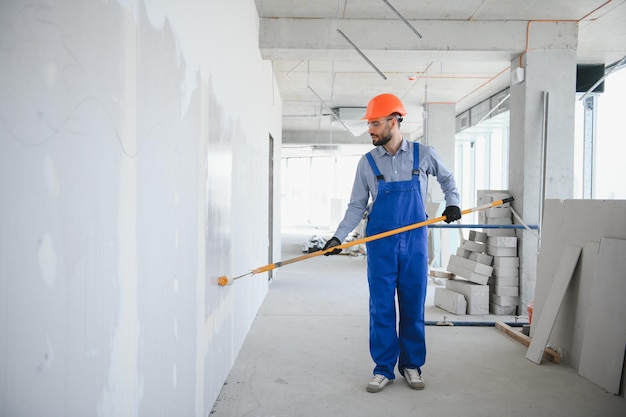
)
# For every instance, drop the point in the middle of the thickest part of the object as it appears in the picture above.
(502, 246)
(504, 282)
(486, 265)
(473, 267)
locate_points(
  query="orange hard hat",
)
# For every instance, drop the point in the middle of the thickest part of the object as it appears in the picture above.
(384, 105)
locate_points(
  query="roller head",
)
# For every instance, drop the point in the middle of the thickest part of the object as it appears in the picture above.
(224, 281)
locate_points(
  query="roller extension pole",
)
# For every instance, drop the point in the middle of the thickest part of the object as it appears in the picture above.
(224, 281)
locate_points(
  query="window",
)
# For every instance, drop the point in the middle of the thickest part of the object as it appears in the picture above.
(600, 136)
(316, 184)
(482, 154)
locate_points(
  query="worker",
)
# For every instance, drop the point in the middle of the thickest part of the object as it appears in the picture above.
(394, 175)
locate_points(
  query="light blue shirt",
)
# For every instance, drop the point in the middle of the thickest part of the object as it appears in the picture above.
(398, 167)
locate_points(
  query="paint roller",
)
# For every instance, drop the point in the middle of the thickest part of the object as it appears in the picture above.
(223, 280)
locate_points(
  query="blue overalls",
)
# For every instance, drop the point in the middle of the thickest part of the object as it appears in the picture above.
(398, 262)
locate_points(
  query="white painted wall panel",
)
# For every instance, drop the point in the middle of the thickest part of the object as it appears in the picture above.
(133, 139)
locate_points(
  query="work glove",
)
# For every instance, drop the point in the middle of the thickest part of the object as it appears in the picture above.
(452, 213)
(332, 242)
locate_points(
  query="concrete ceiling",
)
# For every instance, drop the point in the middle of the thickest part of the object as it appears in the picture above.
(330, 54)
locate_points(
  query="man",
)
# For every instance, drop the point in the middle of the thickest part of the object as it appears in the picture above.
(394, 175)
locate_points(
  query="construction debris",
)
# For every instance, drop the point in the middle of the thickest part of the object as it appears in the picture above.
(313, 244)
(487, 264)
(450, 301)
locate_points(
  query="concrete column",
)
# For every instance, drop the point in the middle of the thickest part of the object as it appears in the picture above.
(549, 73)
(439, 131)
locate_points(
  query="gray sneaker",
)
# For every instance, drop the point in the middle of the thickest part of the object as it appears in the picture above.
(414, 379)
(378, 383)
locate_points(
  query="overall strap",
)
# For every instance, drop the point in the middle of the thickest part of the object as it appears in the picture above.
(416, 159)
(370, 159)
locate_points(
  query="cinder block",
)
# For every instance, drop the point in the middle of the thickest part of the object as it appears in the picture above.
(489, 196)
(505, 271)
(497, 251)
(472, 246)
(502, 310)
(477, 236)
(502, 291)
(498, 212)
(463, 253)
(482, 258)
(499, 220)
(502, 241)
(500, 232)
(503, 300)
(506, 261)
(504, 281)
(468, 275)
(451, 301)
(470, 265)
(477, 296)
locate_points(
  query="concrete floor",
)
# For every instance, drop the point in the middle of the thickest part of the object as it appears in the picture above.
(307, 355)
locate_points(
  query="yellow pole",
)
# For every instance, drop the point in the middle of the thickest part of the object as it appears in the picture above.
(224, 281)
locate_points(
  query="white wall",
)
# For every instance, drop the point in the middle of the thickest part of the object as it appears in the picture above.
(133, 173)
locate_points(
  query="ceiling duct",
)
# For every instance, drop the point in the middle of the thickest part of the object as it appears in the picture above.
(352, 119)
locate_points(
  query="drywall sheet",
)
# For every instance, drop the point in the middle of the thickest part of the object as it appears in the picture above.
(568, 262)
(131, 143)
(580, 289)
(575, 223)
(604, 340)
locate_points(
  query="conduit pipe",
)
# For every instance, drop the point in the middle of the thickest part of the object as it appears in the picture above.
(544, 147)
(469, 323)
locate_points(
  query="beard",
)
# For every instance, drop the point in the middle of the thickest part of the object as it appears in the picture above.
(379, 140)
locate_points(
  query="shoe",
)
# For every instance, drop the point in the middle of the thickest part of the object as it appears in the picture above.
(414, 379)
(378, 383)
